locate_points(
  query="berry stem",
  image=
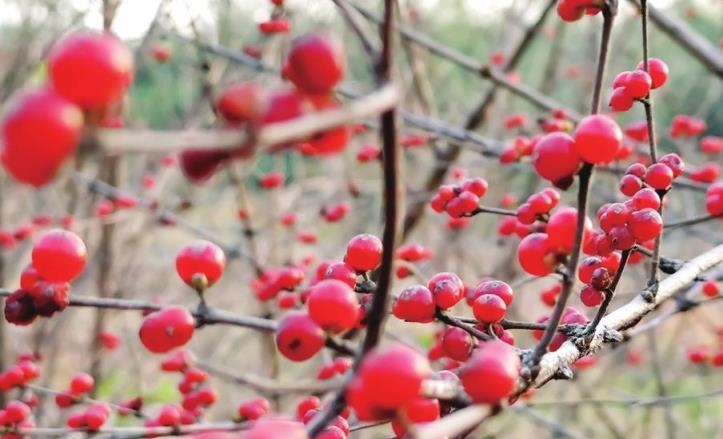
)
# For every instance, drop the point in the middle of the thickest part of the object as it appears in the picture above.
(393, 195)
(494, 210)
(609, 11)
(691, 221)
(609, 294)
(454, 321)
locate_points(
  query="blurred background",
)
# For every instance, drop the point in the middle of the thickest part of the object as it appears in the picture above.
(178, 92)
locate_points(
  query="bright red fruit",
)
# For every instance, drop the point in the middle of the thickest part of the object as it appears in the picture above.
(598, 139)
(364, 252)
(491, 372)
(315, 63)
(341, 271)
(494, 287)
(562, 226)
(272, 180)
(645, 224)
(414, 304)
(161, 53)
(417, 411)
(298, 337)
(590, 296)
(535, 254)
(240, 102)
(638, 84)
(447, 289)
(39, 132)
(199, 165)
(200, 258)
(658, 71)
(167, 329)
(91, 69)
(457, 344)
(620, 100)
(555, 157)
(81, 384)
(59, 255)
(333, 305)
(714, 199)
(489, 308)
(710, 288)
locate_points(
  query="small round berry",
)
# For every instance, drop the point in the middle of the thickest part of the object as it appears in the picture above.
(167, 329)
(658, 71)
(298, 337)
(457, 343)
(630, 185)
(674, 162)
(240, 102)
(414, 304)
(555, 157)
(638, 84)
(645, 224)
(489, 308)
(646, 198)
(447, 289)
(659, 176)
(562, 227)
(495, 287)
(598, 139)
(491, 373)
(710, 288)
(364, 252)
(315, 63)
(81, 384)
(535, 254)
(620, 100)
(59, 255)
(200, 258)
(333, 305)
(341, 271)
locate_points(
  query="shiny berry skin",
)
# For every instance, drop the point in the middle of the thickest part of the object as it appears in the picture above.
(298, 337)
(491, 372)
(658, 71)
(494, 287)
(620, 100)
(659, 176)
(414, 304)
(315, 63)
(562, 226)
(674, 162)
(620, 80)
(81, 383)
(535, 254)
(342, 272)
(333, 305)
(240, 102)
(646, 198)
(586, 268)
(555, 157)
(638, 84)
(364, 252)
(167, 329)
(91, 69)
(714, 199)
(447, 289)
(16, 412)
(457, 344)
(477, 186)
(28, 277)
(169, 415)
(489, 308)
(630, 184)
(40, 131)
(59, 255)
(200, 258)
(645, 224)
(621, 238)
(598, 139)
(393, 366)
(254, 409)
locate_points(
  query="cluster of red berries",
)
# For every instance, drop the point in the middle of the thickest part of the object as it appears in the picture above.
(417, 303)
(197, 395)
(15, 414)
(273, 281)
(79, 386)
(596, 273)
(461, 199)
(706, 173)
(331, 302)
(253, 409)
(88, 72)
(631, 85)
(23, 372)
(514, 121)
(315, 65)
(58, 257)
(658, 176)
(686, 126)
(519, 147)
(91, 418)
(337, 367)
(702, 355)
(573, 10)
(411, 253)
(335, 212)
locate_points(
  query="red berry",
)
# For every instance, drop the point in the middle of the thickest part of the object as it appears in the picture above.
(16, 412)
(494, 287)
(457, 343)
(91, 69)
(254, 409)
(586, 268)
(364, 252)
(81, 384)
(597, 139)
(199, 165)
(342, 272)
(535, 255)
(645, 224)
(658, 71)
(621, 238)
(167, 329)
(621, 80)
(555, 157)
(620, 100)
(714, 199)
(419, 410)
(39, 132)
(562, 227)
(630, 185)
(298, 337)
(674, 162)
(659, 176)
(489, 308)
(698, 354)
(447, 289)
(710, 289)
(638, 84)
(646, 198)
(315, 63)
(200, 258)
(414, 304)
(491, 372)
(240, 102)
(59, 255)
(333, 305)
(161, 53)
(169, 415)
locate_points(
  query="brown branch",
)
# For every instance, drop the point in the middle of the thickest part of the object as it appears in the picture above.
(691, 221)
